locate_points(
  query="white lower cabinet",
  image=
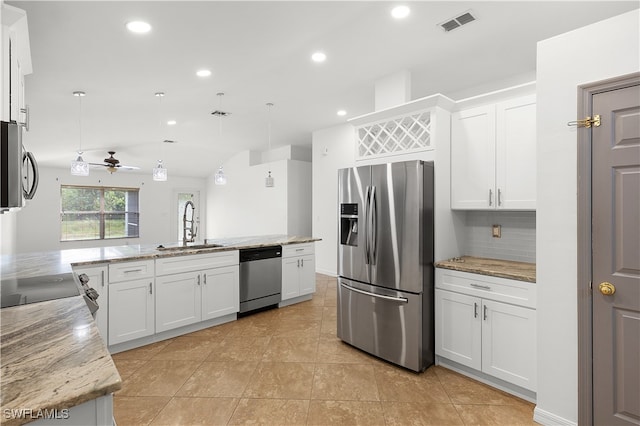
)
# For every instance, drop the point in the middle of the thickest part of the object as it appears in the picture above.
(98, 280)
(131, 310)
(197, 295)
(178, 300)
(496, 338)
(220, 292)
(131, 300)
(298, 270)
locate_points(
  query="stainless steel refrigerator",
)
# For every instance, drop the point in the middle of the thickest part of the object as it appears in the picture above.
(385, 261)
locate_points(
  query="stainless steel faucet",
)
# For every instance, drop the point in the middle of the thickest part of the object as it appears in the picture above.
(188, 224)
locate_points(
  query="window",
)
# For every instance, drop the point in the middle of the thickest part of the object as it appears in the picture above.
(98, 213)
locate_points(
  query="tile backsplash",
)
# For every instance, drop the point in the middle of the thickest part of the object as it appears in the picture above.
(518, 240)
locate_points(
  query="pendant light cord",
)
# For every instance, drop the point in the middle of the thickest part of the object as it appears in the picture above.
(269, 105)
(80, 124)
(160, 95)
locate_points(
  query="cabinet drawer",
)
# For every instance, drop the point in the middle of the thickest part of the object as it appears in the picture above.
(298, 249)
(195, 262)
(127, 271)
(501, 289)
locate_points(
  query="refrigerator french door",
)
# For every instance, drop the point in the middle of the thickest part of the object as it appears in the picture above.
(385, 261)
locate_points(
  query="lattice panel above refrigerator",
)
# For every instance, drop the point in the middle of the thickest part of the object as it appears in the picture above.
(408, 133)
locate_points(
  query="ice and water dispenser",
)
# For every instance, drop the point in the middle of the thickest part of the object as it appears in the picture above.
(349, 224)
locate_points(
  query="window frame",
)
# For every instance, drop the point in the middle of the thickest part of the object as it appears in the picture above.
(102, 214)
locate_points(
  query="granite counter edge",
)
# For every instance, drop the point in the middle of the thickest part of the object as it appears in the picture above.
(485, 271)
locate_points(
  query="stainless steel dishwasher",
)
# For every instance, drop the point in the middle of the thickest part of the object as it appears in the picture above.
(260, 277)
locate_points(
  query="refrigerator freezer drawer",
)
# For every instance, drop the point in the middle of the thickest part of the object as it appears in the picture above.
(384, 323)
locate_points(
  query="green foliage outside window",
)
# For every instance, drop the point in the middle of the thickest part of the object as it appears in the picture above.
(93, 213)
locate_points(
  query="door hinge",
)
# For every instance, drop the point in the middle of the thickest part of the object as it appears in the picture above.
(586, 122)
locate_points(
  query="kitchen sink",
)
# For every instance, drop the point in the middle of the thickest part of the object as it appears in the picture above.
(188, 247)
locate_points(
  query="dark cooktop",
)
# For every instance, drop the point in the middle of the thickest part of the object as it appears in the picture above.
(21, 291)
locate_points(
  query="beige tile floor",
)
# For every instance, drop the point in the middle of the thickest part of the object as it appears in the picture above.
(287, 367)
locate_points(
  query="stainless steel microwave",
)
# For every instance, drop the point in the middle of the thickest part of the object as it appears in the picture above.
(18, 169)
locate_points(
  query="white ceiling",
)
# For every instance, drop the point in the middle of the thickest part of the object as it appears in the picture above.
(259, 52)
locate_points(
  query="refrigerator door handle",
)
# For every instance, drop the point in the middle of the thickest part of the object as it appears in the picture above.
(373, 212)
(379, 296)
(367, 228)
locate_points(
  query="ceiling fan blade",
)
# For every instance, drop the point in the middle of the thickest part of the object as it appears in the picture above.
(120, 166)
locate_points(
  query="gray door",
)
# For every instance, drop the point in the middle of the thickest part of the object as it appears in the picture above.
(616, 257)
(353, 187)
(398, 229)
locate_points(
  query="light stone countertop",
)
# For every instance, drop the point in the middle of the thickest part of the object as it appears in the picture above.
(52, 358)
(51, 354)
(521, 271)
(26, 265)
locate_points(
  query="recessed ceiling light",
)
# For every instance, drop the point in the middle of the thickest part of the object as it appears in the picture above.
(318, 57)
(203, 73)
(171, 123)
(400, 12)
(342, 113)
(138, 27)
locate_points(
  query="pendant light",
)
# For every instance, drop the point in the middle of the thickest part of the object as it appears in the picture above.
(79, 167)
(220, 178)
(159, 171)
(268, 181)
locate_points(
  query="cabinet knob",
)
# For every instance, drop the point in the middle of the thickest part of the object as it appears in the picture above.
(607, 288)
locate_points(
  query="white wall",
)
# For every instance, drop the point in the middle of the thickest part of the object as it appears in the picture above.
(563, 64)
(334, 148)
(246, 207)
(38, 223)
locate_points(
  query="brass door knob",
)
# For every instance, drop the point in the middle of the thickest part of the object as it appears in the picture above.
(607, 288)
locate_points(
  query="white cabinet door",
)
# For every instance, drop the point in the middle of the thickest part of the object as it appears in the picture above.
(509, 343)
(473, 159)
(178, 300)
(131, 310)
(458, 328)
(98, 281)
(290, 277)
(493, 156)
(307, 275)
(220, 292)
(516, 154)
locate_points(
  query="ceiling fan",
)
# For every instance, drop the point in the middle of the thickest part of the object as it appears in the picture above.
(113, 164)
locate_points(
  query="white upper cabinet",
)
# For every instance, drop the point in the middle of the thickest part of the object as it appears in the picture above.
(15, 63)
(493, 156)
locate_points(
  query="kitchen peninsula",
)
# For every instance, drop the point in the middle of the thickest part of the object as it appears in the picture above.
(62, 332)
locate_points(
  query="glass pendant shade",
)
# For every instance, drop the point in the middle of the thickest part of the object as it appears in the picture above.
(268, 181)
(220, 178)
(79, 167)
(159, 172)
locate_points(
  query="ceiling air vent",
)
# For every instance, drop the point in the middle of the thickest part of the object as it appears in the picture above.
(458, 21)
(219, 113)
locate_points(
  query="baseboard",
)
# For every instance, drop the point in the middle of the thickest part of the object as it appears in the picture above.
(326, 272)
(549, 419)
(515, 390)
